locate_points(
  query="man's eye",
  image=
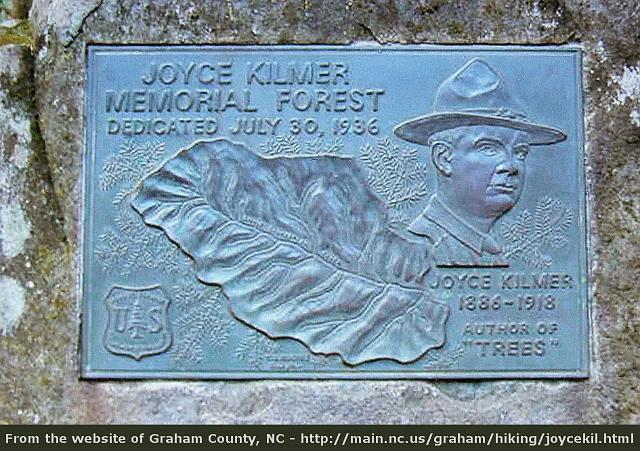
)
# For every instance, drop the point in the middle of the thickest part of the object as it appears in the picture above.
(489, 150)
(521, 153)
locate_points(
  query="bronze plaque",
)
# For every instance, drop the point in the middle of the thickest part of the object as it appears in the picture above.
(334, 212)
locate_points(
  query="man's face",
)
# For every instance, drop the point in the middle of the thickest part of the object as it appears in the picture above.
(488, 168)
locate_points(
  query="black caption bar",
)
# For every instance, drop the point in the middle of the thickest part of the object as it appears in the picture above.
(460, 437)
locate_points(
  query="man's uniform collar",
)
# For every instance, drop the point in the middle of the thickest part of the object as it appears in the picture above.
(438, 213)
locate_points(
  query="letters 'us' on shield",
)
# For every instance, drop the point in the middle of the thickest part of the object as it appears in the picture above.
(334, 212)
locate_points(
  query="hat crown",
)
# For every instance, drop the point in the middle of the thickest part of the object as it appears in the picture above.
(477, 88)
(475, 95)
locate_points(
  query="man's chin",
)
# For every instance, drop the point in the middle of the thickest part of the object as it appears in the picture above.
(500, 203)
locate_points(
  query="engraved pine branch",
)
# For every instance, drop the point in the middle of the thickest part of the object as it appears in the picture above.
(528, 234)
(289, 145)
(202, 323)
(256, 349)
(447, 358)
(130, 246)
(395, 173)
(130, 163)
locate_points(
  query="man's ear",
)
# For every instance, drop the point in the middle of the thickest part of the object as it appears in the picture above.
(441, 154)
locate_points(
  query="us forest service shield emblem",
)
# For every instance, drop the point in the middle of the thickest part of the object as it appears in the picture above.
(138, 324)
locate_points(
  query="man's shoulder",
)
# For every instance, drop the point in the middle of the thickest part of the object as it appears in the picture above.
(447, 249)
(423, 226)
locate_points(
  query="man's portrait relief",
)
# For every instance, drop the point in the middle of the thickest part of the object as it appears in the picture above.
(478, 138)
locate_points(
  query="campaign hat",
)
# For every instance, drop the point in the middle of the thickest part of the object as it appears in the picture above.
(475, 95)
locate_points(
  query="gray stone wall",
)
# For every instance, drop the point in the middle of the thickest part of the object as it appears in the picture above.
(42, 58)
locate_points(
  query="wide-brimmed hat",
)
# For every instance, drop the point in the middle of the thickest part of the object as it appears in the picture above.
(475, 95)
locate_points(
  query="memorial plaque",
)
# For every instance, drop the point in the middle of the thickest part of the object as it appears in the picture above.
(334, 212)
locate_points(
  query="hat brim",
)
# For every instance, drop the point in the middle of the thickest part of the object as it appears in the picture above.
(418, 130)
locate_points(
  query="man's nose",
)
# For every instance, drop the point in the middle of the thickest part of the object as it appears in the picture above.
(508, 164)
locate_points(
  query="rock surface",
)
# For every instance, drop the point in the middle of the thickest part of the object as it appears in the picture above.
(41, 138)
